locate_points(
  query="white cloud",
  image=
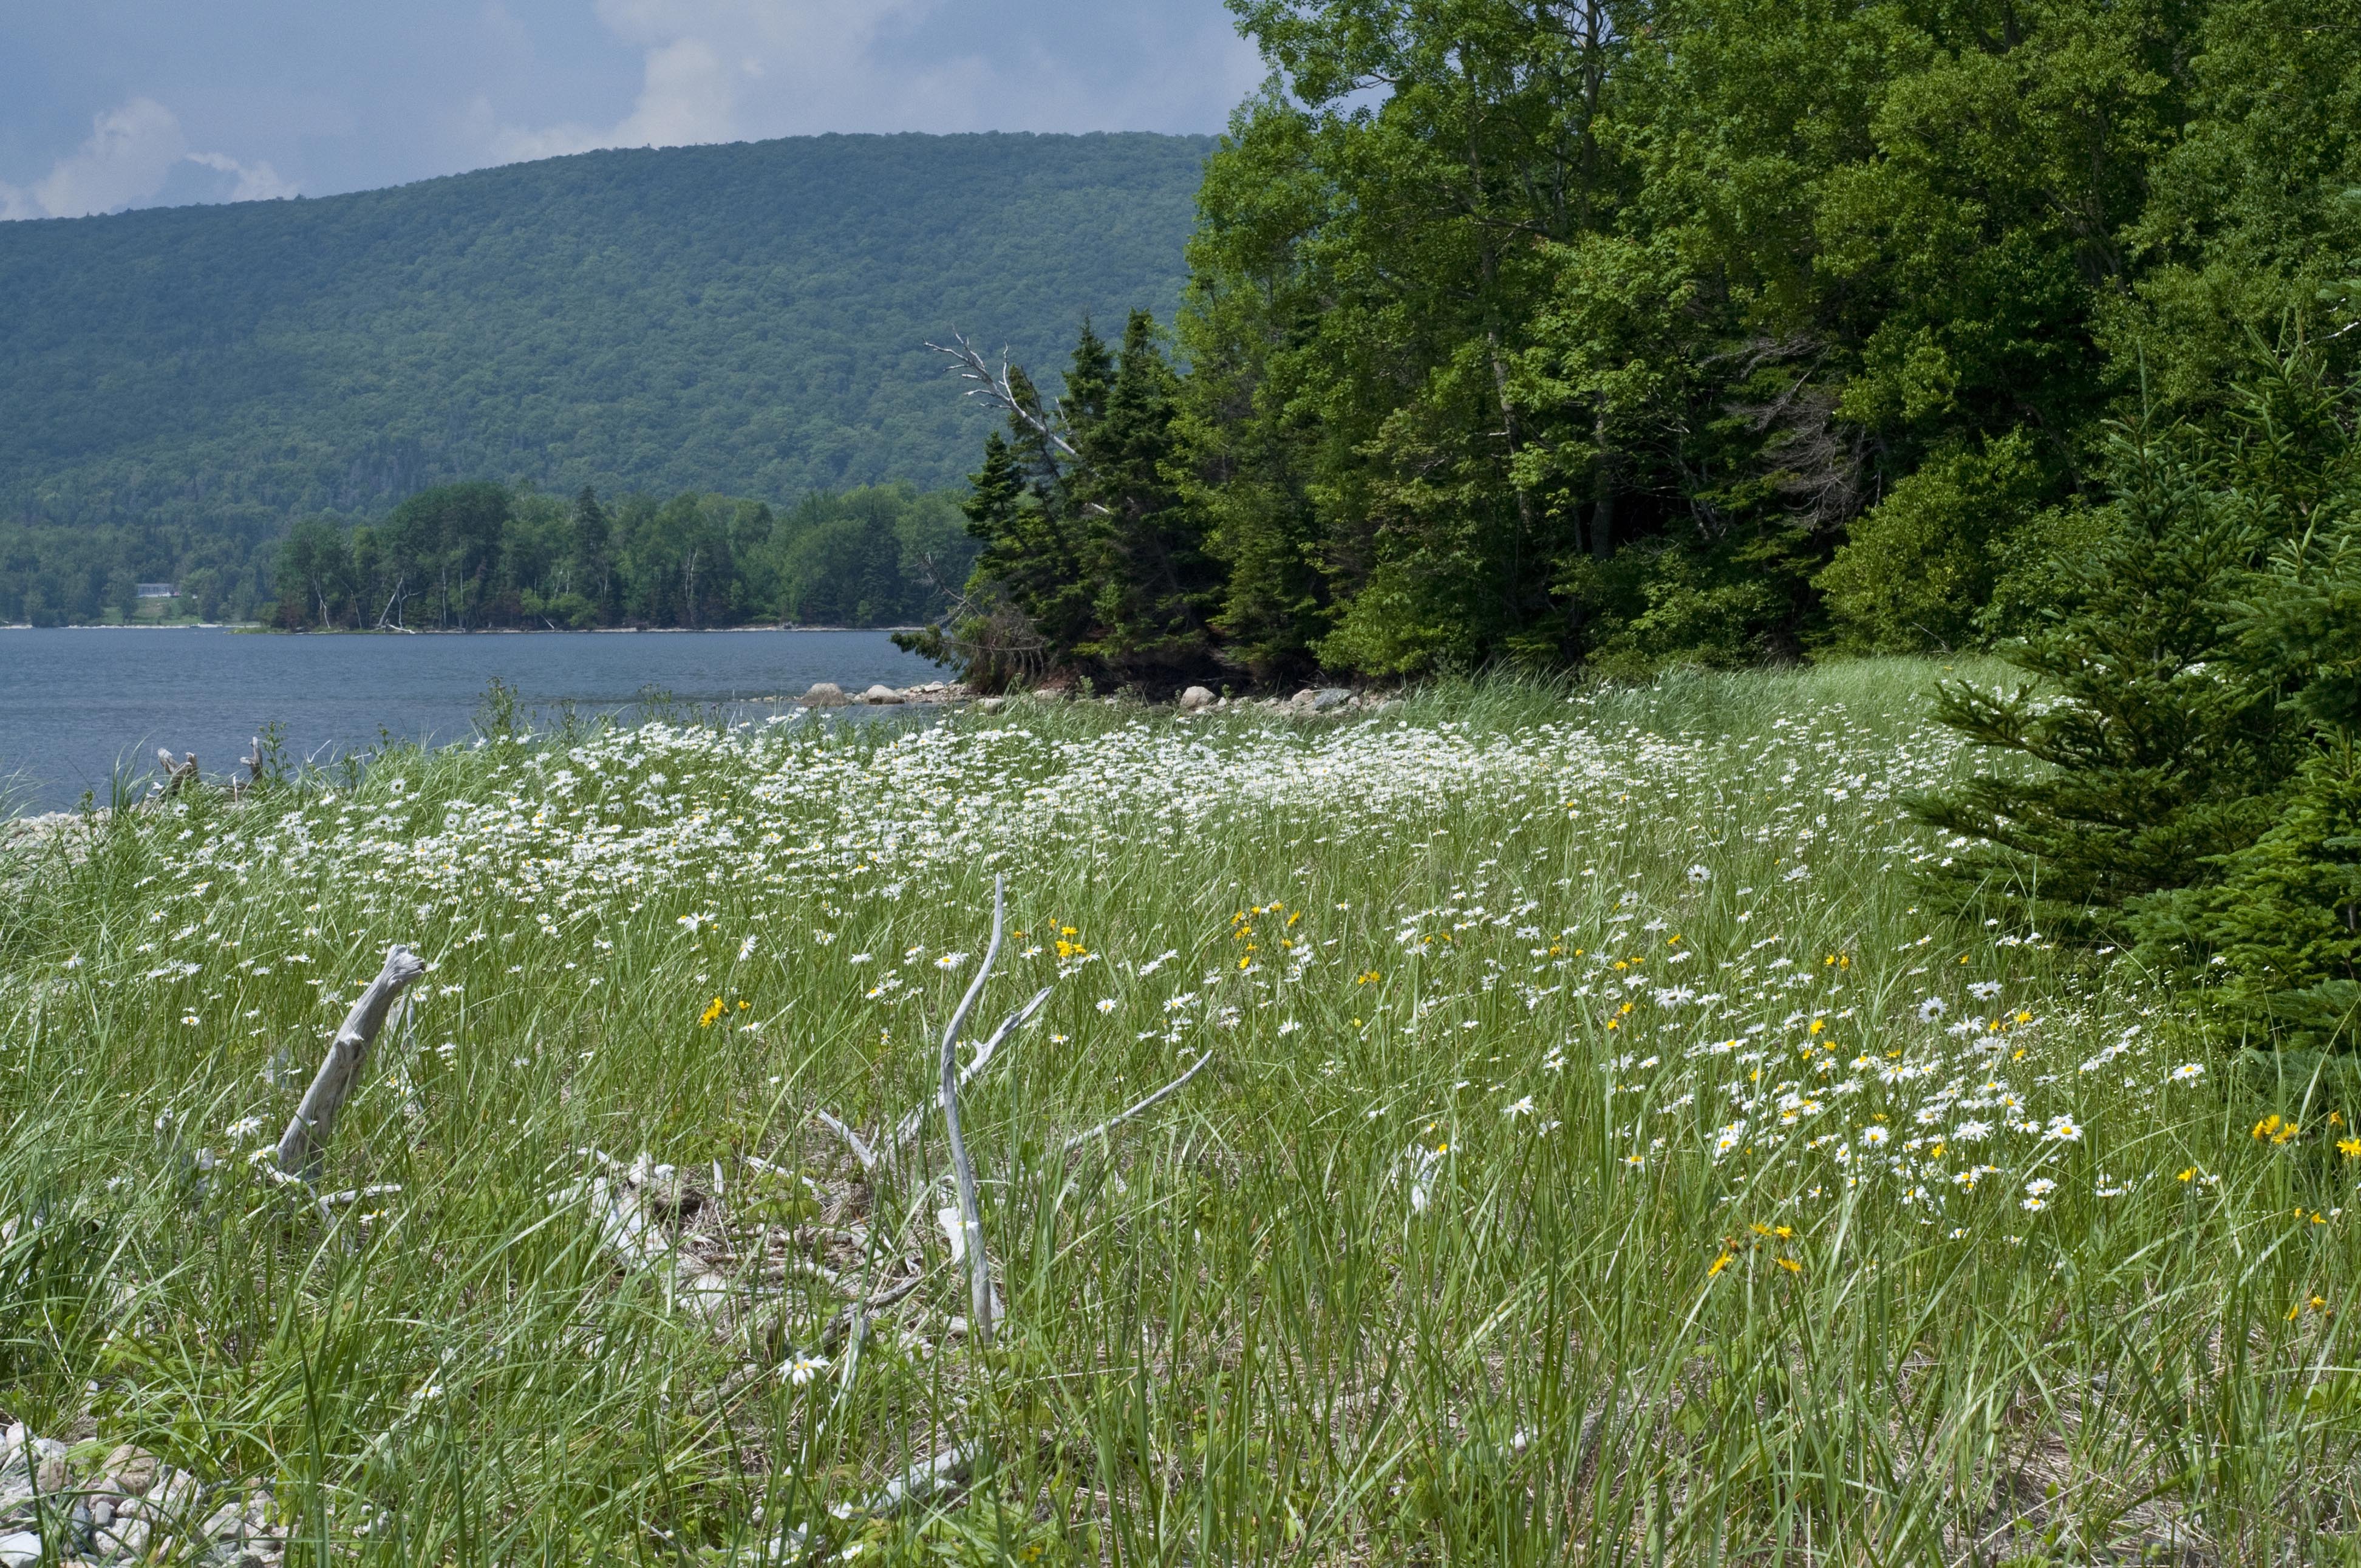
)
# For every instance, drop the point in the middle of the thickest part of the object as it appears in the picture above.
(256, 182)
(729, 70)
(131, 152)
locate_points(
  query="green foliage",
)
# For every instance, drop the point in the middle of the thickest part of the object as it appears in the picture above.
(1496, 293)
(749, 319)
(2196, 784)
(463, 558)
(2280, 932)
(1920, 567)
(1091, 558)
(2155, 749)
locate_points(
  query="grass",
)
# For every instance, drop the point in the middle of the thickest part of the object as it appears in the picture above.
(1605, 1157)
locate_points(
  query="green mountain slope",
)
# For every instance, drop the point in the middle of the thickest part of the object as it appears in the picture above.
(748, 319)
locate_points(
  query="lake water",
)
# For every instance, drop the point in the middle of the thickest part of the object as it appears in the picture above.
(76, 703)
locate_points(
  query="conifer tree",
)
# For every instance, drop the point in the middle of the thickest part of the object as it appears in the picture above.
(2154, 749)
(1152, 585)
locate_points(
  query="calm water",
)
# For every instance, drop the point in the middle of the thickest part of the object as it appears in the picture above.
(75, 703)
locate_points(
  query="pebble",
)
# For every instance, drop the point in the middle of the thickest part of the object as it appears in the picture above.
(119, 1518)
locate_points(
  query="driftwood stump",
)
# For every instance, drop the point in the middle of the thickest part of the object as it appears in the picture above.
(305, 1142)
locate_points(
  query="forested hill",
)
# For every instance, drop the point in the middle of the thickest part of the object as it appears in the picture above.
(746, 318)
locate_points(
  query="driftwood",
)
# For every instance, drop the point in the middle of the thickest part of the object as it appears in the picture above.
(1120, 1117)
(979, 1266)
(628, 1232)
(177, 776)
(305, 1142)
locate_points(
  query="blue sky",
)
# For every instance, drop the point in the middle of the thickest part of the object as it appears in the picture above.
(113, 104)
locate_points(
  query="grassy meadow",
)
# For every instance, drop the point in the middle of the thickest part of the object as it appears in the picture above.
(1604, 1156)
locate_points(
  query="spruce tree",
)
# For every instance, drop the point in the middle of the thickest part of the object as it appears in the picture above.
(2147, 748)
(1153, 587)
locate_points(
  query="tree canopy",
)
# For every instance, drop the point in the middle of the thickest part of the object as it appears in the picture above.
(1620, 332)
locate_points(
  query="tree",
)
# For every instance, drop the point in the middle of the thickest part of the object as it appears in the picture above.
(313, 574)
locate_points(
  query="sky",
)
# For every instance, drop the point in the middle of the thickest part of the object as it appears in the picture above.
(107, 104)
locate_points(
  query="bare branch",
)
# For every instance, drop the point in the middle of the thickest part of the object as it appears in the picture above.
(1078, 1139)
(176, 776)
(905, 1132)
(1001, 390)
(979, 1266)
(305, 1141)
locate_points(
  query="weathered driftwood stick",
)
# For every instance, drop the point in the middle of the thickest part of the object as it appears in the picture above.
(906, 1132)
(979, 1264)
(1120, 1117)
(305, 1142)
(861, 1151)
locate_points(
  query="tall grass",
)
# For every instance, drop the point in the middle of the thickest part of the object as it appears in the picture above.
(1586, 1171)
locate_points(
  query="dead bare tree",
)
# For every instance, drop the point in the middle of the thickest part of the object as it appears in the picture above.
(998, 388)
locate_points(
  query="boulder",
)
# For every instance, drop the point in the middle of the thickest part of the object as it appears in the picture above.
(989, 704)
(1328, 699)
(1196, 699)
(881, 694)
(825, 694)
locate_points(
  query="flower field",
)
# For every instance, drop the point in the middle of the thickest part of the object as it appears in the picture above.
(1602, 1156)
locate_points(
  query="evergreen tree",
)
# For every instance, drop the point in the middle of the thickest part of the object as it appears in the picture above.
(1152, 586)
(590, 561)
(2155, 749)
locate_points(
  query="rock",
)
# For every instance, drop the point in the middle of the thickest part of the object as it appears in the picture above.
(991, 704)
(175, 1492)
(825, 694)
(1049, 694)
(1328, 699)
(20, 1550)
(1196, 699)
(123, 1540)
(49, 1476)
(882, 694)
(224, 1520)
(132, 1470)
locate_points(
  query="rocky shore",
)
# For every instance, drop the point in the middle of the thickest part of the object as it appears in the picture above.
(1311, 701)
(61, 1504)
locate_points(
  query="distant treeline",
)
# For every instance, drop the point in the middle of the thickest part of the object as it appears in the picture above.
(482, 556)
(59, 575)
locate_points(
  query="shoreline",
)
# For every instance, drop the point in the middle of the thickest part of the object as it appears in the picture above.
(255, 626)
